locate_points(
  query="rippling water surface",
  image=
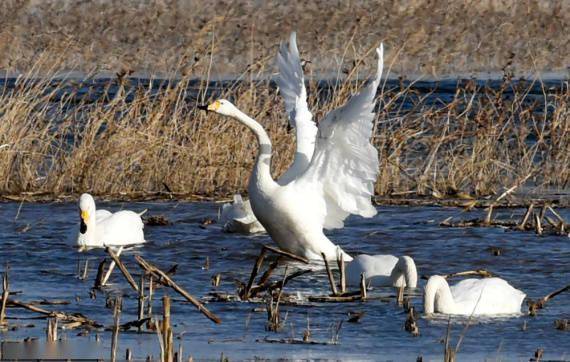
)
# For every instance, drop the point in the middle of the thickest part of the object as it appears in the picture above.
(37, 241)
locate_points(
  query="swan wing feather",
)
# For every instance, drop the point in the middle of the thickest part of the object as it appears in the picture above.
(487, 296)
(291, 83)
(345, 162)
(121, 228)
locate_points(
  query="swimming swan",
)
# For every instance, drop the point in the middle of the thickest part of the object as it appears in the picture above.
(338, 181)
(291, 83)
(238, 217)
(101, 228)
(382, 271)
(471, 296)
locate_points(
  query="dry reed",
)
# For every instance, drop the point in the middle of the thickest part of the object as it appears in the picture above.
(122, 138)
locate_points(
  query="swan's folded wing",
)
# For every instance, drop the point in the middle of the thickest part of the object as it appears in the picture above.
(291, 83)
(345, 162)
(487, 296)
(121, 228)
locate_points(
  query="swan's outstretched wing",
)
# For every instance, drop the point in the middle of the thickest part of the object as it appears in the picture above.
(345, 163)
(291, 85)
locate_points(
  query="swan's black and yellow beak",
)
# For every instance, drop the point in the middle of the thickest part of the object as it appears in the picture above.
(210, 107)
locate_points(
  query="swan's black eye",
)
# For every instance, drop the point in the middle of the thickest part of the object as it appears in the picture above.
(83, 227)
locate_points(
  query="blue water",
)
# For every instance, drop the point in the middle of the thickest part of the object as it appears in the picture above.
(43, 264)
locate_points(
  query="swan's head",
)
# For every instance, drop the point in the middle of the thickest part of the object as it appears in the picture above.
(86, 212)
(221, 106)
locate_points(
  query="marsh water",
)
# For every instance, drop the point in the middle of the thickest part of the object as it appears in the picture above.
(37, 241)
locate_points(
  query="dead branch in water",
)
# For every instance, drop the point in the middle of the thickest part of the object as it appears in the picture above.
(164, 279)
(55, 314)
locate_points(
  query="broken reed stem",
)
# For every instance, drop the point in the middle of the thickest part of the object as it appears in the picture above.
(479, 272)
(85, 270)
(330, 275)
(141, 300)
(100, 274)
(537, 224)
(254, 271)
(5, 295)
(489, 215)
(265, 276)
(51, 332)
(342, 273)
(123, 269)
(166, 280)
(111, 267)
(150, 294)
(287, 254)
(525, 217)
(449, 353)
(160, 340)
(167, 330)
(116, 326)
(362, 286)
(128, 355)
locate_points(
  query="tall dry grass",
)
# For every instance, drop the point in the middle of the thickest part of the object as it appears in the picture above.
(436, 37)
(138, 141)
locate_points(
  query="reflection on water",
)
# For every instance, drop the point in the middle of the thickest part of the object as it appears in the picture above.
(39, 247)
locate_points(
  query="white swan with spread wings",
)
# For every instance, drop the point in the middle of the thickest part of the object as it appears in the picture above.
(338, 180)
(238, 216)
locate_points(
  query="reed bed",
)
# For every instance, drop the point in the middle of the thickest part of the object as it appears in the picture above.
(130, 139)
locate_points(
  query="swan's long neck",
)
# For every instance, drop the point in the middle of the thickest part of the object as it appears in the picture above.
(438, 297)
(261, 176)
(405, 268)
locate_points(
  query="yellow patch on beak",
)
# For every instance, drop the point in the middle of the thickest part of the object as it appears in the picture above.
(85, 215)
(214, 106)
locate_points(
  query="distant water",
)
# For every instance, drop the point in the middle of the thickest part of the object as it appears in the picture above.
(37, 242)
(76, 88)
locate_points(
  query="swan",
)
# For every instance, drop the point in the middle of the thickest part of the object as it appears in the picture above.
(101, 229)
(487, 296)
(338, 181)
(382, 271)
(291, 84)
(238, 217)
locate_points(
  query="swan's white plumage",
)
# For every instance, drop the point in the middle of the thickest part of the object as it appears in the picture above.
(487, 296)
(291, 83)
(345, 163)
(382, 271)
(338, 182)
(103, 228)
(238, 217)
